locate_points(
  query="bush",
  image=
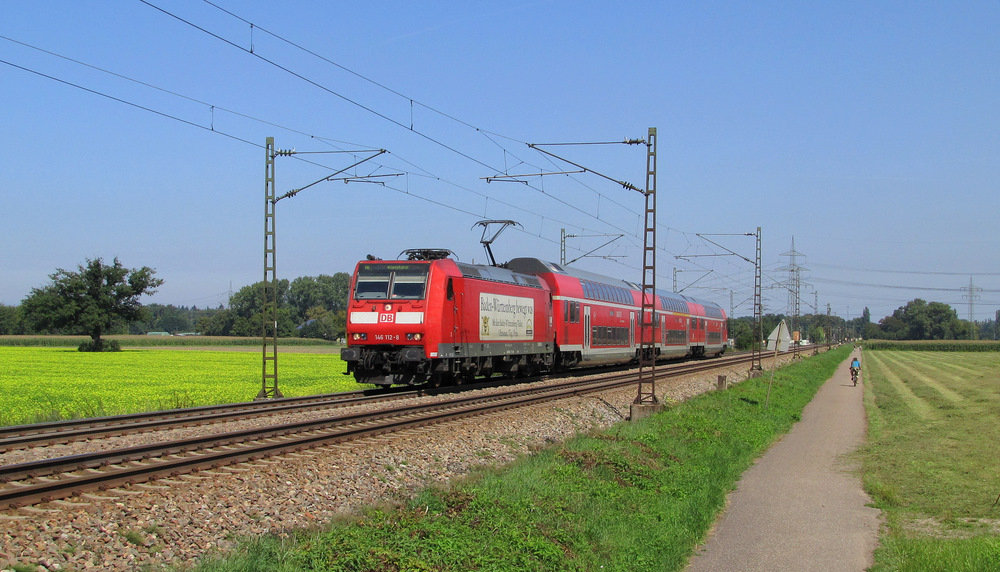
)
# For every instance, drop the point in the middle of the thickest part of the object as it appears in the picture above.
(100, 346)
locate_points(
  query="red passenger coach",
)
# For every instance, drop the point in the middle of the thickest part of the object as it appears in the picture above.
(433, 319)
(597, 318)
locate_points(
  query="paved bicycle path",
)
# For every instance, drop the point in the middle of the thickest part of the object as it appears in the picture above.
(800, 508)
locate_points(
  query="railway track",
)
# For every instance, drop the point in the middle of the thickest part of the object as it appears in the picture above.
(51, 479)
(42, 434)
(61, 432)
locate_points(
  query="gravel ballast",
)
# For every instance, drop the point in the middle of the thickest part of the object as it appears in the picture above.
(174, 522)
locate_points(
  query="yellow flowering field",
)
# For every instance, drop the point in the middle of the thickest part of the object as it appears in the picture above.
(51, 383)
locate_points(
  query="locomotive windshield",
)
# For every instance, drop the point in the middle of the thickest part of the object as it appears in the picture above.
(404, 281)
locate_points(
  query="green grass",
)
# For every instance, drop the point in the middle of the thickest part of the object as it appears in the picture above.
(48, 383)
(933, 345)
(931, 462)
(159, 341)
(639, 496)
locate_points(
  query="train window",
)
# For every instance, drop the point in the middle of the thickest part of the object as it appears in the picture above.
(574, 312)
(371, 287)
(395, 281)
(408, 287)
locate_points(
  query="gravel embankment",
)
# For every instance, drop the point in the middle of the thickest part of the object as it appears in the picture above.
(174, 522)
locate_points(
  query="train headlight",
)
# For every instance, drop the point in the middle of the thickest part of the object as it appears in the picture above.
(414, 337)
(359, 336)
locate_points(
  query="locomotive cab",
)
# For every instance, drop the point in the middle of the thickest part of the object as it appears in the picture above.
(385, 322)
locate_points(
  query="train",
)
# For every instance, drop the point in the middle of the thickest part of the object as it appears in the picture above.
(428, 318)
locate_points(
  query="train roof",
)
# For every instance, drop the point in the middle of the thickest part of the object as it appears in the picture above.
(537, 266)
(498, 274)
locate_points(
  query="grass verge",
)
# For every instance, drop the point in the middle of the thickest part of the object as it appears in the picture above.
(639, 496)
(930, 463)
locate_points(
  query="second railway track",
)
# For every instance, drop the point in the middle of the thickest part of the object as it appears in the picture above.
(62, 477)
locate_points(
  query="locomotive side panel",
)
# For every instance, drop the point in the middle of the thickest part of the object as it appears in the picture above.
(498, 319)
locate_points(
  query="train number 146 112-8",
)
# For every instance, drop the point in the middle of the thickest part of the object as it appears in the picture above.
(387, 337)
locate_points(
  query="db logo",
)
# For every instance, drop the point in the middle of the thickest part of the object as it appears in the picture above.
(387, 318)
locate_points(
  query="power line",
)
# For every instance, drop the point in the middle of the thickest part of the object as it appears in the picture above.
(320, 86)
(489, 135)
(917, 272)
(411, 128)
(131, 104)
(212, 129)
(892, 286)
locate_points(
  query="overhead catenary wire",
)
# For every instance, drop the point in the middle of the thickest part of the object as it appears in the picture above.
(211, 127)
(223, 133)
(384, 87)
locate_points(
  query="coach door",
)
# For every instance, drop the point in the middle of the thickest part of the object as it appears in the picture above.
(586, 328)
(631, 329)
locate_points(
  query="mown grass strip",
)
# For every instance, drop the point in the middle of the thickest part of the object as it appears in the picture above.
(914, 403)
(940, 361)
(639, 496)
(936, 482)
(925, 375)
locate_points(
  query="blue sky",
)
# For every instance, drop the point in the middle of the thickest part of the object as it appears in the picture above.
(868, 131)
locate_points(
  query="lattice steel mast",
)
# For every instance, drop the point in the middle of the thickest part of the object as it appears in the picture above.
(269, 330)
(647, 315)
(269, 312)
(758, 325)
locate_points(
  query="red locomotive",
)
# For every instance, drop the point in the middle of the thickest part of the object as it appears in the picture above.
(430, 318)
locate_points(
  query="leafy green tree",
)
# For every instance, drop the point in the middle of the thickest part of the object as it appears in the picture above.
(322, 323)
(920, 320)
(246, 311)
(216, 324)
(817, 335)
(11, 320)
(92, 301)
(323, 291)
(872, 332)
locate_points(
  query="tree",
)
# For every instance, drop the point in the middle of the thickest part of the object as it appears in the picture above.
(324, 291)
(11, 320)
(91, 301)
(245, 316)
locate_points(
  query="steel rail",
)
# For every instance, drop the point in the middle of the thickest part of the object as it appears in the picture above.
(136, 464)
(59, 432)
(26, 436)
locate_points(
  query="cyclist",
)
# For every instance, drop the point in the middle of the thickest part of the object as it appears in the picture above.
(855, 368)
